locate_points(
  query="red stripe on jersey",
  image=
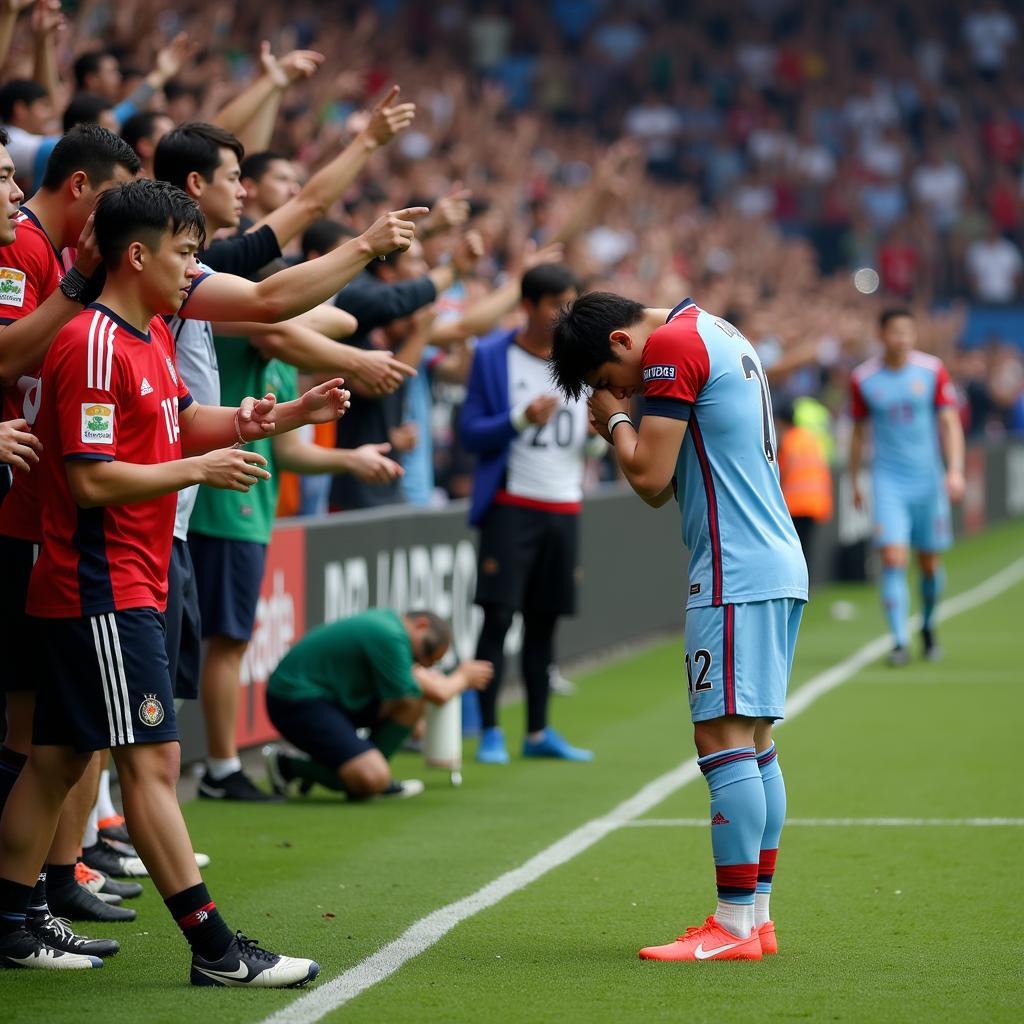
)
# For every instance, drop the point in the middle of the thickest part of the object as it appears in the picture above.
(729, 659)
(709, 493)
(675, 361)
(568, 508)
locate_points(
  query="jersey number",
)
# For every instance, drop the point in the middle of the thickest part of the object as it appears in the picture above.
(562, 426)
(170, 411)
(751, 372)
(702, 661)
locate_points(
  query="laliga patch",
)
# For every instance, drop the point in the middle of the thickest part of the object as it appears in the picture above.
(660, 372)
(97, 423)
(12, 286)
(151, 711)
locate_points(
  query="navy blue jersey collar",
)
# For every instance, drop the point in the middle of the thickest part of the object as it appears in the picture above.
(120, 321)
(682, 305)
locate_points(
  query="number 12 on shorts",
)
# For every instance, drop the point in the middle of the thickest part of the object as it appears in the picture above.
(702, 663)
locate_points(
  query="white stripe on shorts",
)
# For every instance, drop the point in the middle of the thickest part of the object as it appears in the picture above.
(101, 661)
(122, 682)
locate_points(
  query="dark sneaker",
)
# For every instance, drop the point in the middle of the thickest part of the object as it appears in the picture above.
(898, 657)
(102, 885)
(245, 963)
(57, 933)
(104, 857)
(401, 790)
(22, 949)
(114, 829)
(272, 759)
(236, 786)
(932, 647)
(76, 903)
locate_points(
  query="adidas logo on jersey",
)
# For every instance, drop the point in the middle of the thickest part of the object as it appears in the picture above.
(720, 819)
(146, 389)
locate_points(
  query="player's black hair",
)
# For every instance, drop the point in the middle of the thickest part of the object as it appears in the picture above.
(195, 147)
(323, 235)
(140, 126)
(89, 64)
(255, 165)
(4, 137)
(892, 313)
(547, 279)
(438, 634)
(85, 108)
(92, 149)
(581, 341)
(18, 90)
(143, 210)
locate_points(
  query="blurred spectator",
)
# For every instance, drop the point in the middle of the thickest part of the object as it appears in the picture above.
(994, 267)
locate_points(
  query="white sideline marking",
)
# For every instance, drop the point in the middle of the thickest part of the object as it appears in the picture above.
(845, 822)
(427, 931)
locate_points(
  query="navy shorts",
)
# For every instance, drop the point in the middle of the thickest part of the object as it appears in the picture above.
(184, 636)
(19, 665)
(108, 684)
(321, 729)
(228, 577)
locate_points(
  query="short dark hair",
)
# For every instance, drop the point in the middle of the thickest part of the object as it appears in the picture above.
(140, 126)
(4, 137)
(438, 634)
(18, 90)
(88, 64)
(581, 341)
(547, 279)
(85, 108)
(92, 149)
(323, 235)
(143, 210)
(195, 147)
(255, 165)
(892, 313)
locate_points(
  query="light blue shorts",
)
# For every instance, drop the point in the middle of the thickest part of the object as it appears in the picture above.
(739, 658)
(921, 522)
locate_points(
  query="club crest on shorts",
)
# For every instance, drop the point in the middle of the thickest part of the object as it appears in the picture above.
(151, 711)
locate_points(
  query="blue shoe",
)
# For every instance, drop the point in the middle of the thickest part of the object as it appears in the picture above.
(492, 747)
(551, 744)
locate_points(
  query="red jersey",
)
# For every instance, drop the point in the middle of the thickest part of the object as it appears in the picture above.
(30, 271)
(109, 392)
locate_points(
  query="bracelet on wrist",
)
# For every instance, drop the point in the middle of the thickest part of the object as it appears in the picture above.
(238, 429)
(617, 419)
(73, 285)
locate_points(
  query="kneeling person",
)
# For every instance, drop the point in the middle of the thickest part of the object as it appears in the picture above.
(371, 671)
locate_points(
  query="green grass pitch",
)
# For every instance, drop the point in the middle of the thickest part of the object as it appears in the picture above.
(909, 923)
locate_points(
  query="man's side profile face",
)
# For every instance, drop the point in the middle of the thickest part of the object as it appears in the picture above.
(83, 195)
(423, 652)
(166, 266)
(10, 198)
(220, 199)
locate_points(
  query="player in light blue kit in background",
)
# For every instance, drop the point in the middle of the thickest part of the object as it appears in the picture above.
(708, 433)
(910, 402)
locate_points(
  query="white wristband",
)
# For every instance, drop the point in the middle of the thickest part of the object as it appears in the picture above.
(615, 419)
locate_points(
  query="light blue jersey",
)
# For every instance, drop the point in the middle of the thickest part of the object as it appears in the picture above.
(902, 406)
(743, 547)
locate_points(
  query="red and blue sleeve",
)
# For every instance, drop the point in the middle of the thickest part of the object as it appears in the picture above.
(84, 379)
(675, 368)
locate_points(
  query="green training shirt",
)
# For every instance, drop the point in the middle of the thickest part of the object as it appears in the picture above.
(235, 515)
(350, 662)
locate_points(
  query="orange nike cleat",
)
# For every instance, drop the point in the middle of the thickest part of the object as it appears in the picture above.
(85, 875)
(708, 942)
(769, 943)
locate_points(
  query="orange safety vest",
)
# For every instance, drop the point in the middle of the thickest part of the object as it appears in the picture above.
(804, 474)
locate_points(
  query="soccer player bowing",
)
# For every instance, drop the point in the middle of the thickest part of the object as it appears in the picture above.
(707, 431)
(121, 435)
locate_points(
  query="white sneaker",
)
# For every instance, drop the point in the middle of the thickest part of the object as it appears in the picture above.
(22, 949)
(402, 790)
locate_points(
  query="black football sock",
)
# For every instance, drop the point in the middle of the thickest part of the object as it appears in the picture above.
(200, 921)
(14, 900)
(37, 906)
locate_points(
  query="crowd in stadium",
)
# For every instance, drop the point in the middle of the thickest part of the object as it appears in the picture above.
(738, 155)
